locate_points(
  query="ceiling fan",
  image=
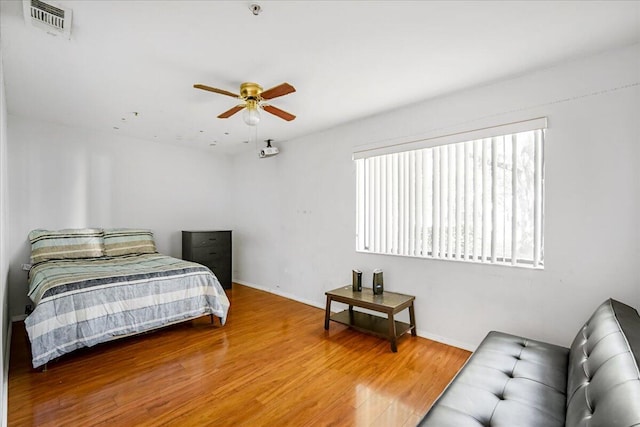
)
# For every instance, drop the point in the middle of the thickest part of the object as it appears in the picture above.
(253, 97)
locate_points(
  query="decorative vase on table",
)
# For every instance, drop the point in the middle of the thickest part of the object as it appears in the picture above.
(378, 286)
(357, 281)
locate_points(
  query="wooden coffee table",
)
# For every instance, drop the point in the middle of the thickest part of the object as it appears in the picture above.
(390, 303)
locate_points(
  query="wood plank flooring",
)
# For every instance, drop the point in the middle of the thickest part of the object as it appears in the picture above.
(272, 364)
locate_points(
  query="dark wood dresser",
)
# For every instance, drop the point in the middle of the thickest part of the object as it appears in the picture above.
(211, 249)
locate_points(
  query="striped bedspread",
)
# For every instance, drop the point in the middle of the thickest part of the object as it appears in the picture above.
(83, 302)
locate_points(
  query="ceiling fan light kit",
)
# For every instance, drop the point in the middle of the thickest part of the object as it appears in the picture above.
(251, 115)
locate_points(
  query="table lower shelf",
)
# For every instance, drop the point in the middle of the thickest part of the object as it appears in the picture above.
(369, 323)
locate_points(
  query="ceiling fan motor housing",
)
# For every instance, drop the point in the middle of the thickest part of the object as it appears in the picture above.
(250, 90)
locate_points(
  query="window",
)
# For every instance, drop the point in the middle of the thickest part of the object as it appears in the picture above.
(477, 200)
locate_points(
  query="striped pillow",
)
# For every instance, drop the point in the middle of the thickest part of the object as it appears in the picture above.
(126, 241)
(65, 244)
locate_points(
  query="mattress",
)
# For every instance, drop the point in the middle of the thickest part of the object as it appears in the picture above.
(84, 302)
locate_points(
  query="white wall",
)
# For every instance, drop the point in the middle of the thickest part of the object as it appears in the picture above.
(5, 336)
(295, 213)
(62, 177)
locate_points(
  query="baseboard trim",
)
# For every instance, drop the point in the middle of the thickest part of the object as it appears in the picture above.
(5, 377)
(419, 332)
(447, 341)
(280, 293)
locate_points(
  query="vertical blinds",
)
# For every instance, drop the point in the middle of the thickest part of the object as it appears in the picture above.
(479, 200)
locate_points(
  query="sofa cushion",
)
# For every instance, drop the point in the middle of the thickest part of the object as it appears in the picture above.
(508, 381)
(604, 381)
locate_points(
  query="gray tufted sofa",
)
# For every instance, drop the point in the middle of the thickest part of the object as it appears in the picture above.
(518, 382)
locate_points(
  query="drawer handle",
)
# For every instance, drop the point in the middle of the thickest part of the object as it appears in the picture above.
(213, 253)
(213, 239)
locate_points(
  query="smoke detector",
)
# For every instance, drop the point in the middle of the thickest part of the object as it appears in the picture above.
(48, 16)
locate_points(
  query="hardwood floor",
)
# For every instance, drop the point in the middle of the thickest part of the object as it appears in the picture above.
(272, 364)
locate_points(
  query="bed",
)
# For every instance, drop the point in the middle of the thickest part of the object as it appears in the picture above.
(92, 285)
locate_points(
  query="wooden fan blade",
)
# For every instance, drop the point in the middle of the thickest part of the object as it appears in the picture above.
(216, 90)
(278, 112)
(231, 112)
(277, 91)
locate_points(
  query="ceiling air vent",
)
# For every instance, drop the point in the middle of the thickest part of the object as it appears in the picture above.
(48, 16)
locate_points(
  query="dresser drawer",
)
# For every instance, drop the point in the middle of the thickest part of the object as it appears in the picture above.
(207, 254)
(222, 274)
(204, 239)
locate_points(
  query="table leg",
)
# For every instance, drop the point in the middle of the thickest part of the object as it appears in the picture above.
(392, 333)
(412, 320)
(327, 313)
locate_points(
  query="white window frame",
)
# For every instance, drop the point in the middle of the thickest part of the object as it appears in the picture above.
(426, 197)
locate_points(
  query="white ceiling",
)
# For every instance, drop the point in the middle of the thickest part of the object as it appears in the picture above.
(347, 59)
